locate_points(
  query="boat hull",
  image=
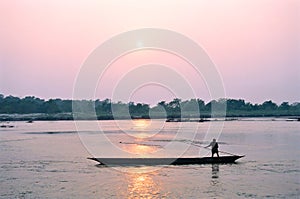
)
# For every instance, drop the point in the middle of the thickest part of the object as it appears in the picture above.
(167, 161)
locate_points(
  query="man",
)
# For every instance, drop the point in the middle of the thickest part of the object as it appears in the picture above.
(214, 147)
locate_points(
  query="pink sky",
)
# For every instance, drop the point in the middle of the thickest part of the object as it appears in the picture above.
(255, 44)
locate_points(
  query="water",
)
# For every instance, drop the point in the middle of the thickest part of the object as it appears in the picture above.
(48, 160)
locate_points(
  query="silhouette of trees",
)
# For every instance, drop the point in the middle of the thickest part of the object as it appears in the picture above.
(269, 106)
(139, 110)
(105, 109)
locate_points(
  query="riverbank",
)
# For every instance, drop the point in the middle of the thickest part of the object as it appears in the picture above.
(69, 116)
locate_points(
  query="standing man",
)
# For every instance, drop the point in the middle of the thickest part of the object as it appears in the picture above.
(214, 147)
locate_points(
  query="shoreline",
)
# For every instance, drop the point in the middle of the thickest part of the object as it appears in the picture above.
(69, 116)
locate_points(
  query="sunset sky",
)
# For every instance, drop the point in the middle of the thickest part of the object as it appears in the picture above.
(255, 45)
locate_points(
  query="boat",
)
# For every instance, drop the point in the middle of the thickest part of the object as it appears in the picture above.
(167, 161)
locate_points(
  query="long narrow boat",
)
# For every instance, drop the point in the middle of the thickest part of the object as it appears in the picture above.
(167, 161)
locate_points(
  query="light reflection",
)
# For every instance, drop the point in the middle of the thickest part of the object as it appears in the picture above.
(141, 128)
(139, 148)
(214, 171)
(142, 185)
(141, 123)
(139, 134)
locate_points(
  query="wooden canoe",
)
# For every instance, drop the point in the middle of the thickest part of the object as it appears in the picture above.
(167, 161)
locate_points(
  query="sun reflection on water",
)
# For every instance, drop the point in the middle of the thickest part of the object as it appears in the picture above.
(141, 128)
(139, 148)
(141, 123)
(136, 137)
(142, 185)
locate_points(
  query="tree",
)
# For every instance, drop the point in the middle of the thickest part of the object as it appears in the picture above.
(51, 106)
(173, 108)
(201, 105)
(139, 110)
(269, 105)
(31, 104)
(284, 106)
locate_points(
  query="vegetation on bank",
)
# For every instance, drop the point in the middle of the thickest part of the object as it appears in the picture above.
(57, 109)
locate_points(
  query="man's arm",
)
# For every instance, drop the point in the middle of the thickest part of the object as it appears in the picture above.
(207, 146)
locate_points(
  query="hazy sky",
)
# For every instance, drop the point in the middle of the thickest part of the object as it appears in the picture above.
(255, 45)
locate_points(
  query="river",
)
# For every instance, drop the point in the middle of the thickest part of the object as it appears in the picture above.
(48, 159)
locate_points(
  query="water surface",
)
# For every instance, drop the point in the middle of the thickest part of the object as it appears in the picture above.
(48, 160)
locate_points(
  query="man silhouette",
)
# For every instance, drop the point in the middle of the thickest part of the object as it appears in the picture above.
(214, 147)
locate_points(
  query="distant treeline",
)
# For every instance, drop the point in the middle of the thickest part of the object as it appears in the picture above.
(105, 109)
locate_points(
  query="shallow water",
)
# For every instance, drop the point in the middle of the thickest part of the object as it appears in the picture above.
(48, 160)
